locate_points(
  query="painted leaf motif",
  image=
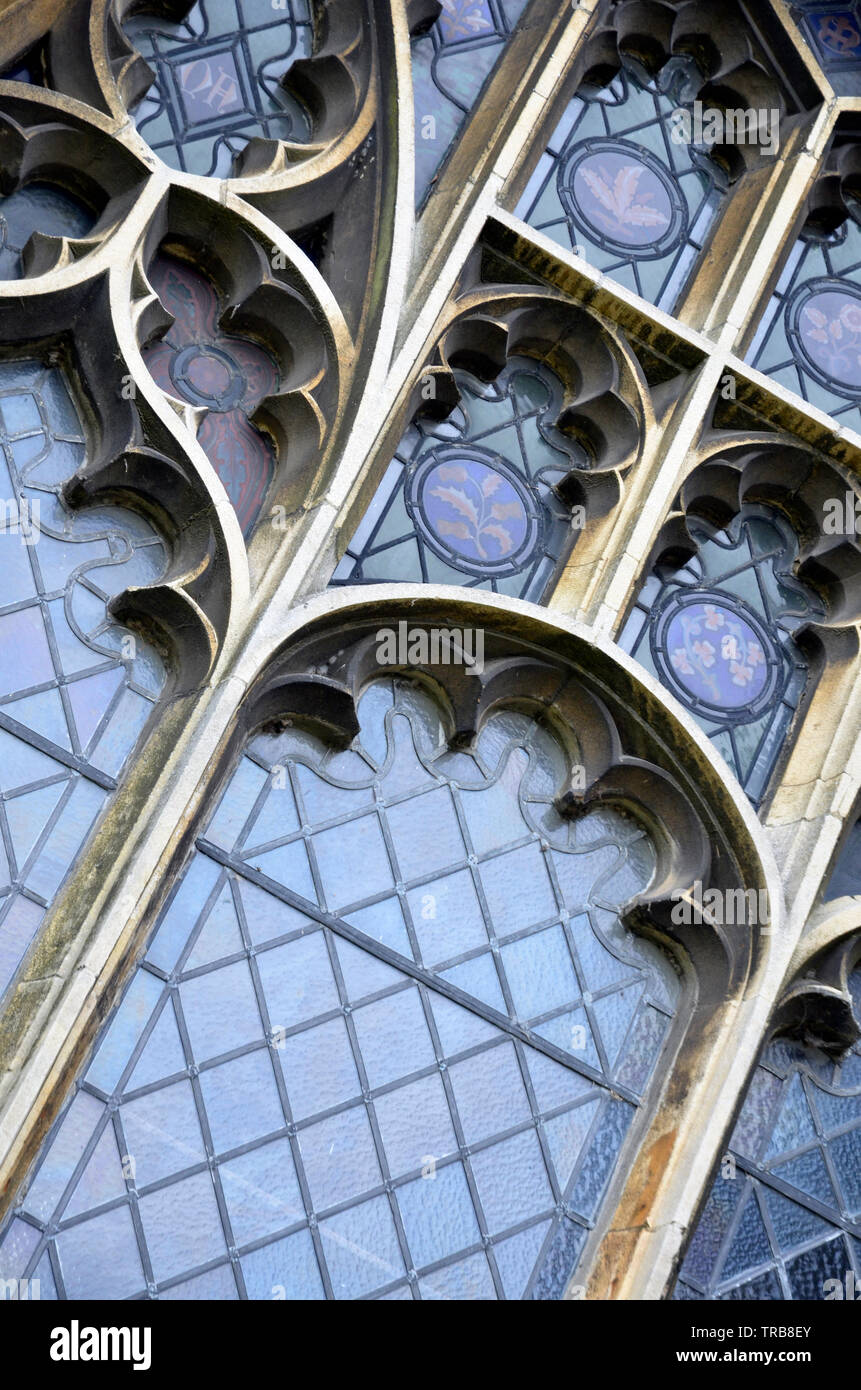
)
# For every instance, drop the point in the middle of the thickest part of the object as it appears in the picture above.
(500, 534)
(457, 499)
(490, 484)
(501, 510)
(454, 528)
(452, 473)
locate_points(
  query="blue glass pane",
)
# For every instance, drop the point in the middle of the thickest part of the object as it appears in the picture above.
(75, 689)
(295, 1112)
(787, 1200)
(833, 32)
(719, 633)
(37, 207)
(470, 500)
(217, 80)
(450, 65)
(618, 187)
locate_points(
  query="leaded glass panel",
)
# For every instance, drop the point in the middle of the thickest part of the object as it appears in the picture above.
(834, 34)
(719, 633)
(471, 499)
(217, 80)
(784, 1216)
(810, 335)
(450, 65)
(75, 689)
(387, 1039)
(227, 375)
(617, 186)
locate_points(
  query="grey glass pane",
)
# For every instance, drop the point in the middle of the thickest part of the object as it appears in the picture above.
(292, 1090)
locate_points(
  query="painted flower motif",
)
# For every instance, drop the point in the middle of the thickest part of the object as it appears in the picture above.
(755, 654)
(464, 19)
(706, 653)
(850, 316)
(713, 619)
(741, 674)
(680, 661)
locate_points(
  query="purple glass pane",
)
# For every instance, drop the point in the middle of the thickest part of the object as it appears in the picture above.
(473, 510)
(716, 655)
(622, 195)
(465, 19)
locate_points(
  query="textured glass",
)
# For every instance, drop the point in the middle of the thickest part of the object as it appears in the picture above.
(226, 375)
(313, 1110)
(614, 186)
(217, 80)
(470, 500)
(450, 65)
(809, 339)
(834, 34)
(781, 1213)
(75, 689)
(719, 634)
(846, 878)
(37, 207)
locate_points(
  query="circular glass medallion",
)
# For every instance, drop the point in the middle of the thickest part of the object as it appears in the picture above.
(715, 653)
(207, 375)
(824, 329)
(625, 197)
(473, 511)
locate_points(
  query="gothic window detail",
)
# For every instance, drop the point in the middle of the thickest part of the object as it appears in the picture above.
(225, 375)
(217, 80)
(784, 1215)
(719, 633)
(619, 187)
(450, 65)
(834, 34)
(471, 499)
(37, 207)
(75, 689)
(809, 338)
(414, 973)
(845, 881)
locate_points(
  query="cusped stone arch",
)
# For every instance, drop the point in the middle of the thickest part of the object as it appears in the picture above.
(793, 494)
(589, 404)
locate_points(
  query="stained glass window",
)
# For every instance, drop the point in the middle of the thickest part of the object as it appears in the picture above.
(470, 500)
(845, 882)
(834, 34)
(227, 375)
(810, 335)
(718, 632)
(387, 1039)
(450, 65)
(37, 207)
(785, 1215)
(617, 187)
(75, 689)
(218, 80)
